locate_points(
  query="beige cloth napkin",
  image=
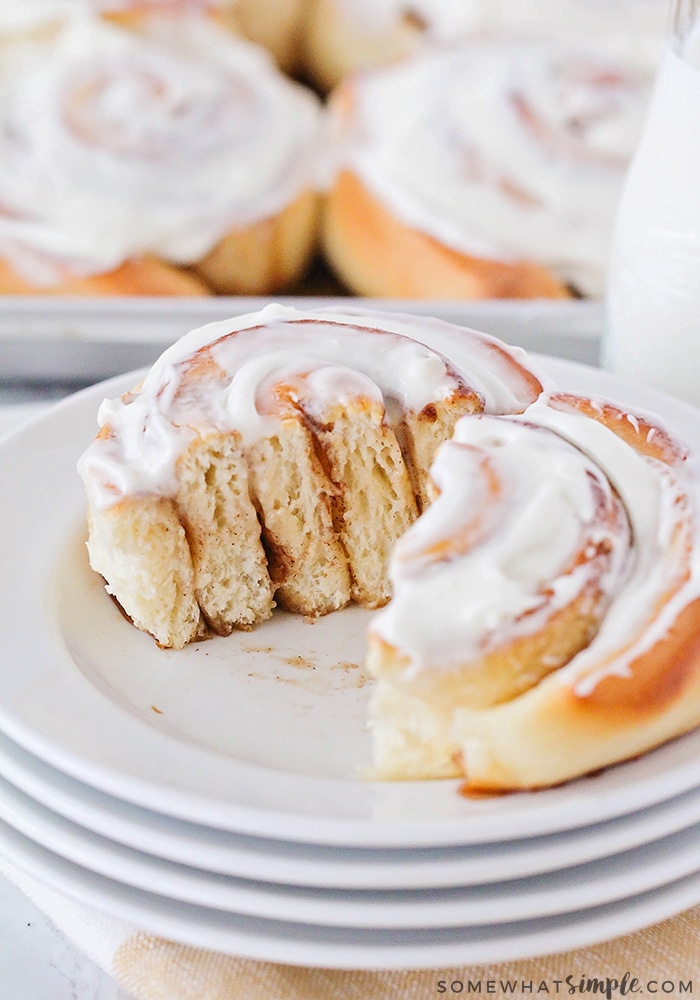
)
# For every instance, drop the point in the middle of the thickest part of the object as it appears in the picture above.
(663, 960)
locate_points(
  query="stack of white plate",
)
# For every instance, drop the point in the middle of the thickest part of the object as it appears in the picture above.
(215, 795)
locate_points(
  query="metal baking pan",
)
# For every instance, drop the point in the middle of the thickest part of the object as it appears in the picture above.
(44, 339)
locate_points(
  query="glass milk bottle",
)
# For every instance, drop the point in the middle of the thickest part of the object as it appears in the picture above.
(653, 301)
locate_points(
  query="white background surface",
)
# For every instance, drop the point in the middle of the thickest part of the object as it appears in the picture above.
(37, 962)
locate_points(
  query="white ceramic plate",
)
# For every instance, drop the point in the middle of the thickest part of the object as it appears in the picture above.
(606, 880)
(346, 947)
(241, 733)
(324, 866)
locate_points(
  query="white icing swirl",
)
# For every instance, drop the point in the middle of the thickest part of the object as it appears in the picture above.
(411, 362)
(457, 608)
(501, 150)
(496, 553)
(116, 144)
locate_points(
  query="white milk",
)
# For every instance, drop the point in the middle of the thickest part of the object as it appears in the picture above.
(653, 313)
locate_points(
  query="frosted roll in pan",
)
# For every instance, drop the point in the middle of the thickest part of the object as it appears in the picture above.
(175, 143)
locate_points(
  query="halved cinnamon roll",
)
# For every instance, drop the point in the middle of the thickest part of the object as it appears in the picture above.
(562, 554)
(544, 619)
(176, 158)
(278, 457)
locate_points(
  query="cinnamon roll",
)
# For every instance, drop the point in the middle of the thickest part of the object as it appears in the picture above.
(486, 169)
(277, 458)
(175, 154)
(557, 579)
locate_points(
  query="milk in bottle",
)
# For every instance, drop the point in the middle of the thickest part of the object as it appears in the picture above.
(653, 300)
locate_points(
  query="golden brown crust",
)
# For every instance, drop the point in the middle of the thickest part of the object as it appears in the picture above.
(263, 258)
(138, 276)
(334, 47)
(636, 430)
(378, 255)
(275, 24)
(553, 733)
(267, 256)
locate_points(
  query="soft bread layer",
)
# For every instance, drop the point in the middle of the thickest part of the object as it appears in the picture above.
(378, 255)
(303, 518)
(295, 499)
(415, 727)
(376, 502)
(231, 583)
(141, 549)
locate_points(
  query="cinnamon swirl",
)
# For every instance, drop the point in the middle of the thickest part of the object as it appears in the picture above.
(177, 147)
(486, 169)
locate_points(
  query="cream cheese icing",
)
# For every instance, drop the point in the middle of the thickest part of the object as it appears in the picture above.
(159, 142)
(500, 149)
(411, 361)
(518, 561)
(650, 581)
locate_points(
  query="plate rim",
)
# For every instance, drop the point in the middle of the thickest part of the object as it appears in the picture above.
(574, 887)
(280, 863)
(347, 948)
